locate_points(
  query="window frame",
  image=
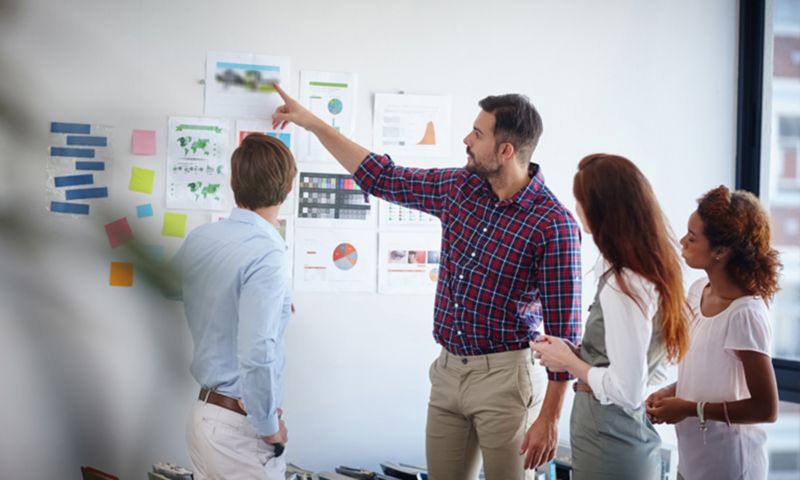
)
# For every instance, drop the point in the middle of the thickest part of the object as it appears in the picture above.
(749, 135)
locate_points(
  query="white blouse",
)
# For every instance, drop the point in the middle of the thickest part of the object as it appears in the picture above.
(628, 328)
(712, 372)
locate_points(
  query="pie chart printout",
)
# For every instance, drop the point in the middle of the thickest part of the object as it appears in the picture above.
(345, 256)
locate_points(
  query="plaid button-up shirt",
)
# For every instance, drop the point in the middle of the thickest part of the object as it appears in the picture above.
(505, 266)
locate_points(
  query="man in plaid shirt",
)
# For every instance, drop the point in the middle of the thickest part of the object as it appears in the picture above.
(510, 261)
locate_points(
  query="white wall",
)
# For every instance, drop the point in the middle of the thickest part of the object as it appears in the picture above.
(99, 375)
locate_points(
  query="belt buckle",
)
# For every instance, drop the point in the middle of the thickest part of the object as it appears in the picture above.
(208, 394)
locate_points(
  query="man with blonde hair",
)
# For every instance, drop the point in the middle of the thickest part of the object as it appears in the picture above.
(236, 296)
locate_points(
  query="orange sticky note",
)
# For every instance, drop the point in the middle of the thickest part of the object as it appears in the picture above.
(121, 274)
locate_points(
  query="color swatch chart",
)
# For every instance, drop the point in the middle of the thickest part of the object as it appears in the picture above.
(331, 196)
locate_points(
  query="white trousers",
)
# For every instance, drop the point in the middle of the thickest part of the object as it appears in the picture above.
(223, 445)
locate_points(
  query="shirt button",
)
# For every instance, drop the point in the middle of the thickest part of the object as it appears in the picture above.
(456, 305)
(459, 332)
(460, 277)
(473, 254)
(485, 230)
(464, 361)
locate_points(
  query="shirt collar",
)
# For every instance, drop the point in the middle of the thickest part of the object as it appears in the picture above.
(526, 196)
(250, 217)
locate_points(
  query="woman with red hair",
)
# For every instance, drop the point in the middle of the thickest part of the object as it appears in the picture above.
(726, 382)
(637, 319)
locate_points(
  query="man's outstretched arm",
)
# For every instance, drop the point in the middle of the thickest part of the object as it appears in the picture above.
(346, 151)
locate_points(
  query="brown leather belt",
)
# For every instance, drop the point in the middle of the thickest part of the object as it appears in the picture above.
(581, 387)
(210, 396)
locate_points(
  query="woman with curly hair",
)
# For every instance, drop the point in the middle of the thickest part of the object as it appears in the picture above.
(638, 319)
(726, 383)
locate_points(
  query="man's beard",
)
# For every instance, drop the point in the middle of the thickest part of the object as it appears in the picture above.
(481, 169)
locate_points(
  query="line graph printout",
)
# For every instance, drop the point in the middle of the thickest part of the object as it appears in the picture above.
(331, 97)
(412, 125)
(197, 164)
(341, 260)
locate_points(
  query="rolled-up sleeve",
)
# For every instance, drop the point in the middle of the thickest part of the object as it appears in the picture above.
(559, 281)
(424, 189)
(261, 306)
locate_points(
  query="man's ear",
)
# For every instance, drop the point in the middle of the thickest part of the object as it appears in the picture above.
(506, 151)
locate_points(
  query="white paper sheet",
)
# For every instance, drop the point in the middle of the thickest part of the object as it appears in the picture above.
(408, 262)
(198, 159)
(394, 217)
(246, 127)
(332, 97)
(416, 126)
(240, 84)
(341, 260)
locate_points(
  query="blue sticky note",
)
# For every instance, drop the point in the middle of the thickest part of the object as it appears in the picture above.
(145, 210)
(156, 252)
(70, 180)
(87, 141)
(64, 207)
(71, 152)
(81, 193)
(79, 165)
(62, 127)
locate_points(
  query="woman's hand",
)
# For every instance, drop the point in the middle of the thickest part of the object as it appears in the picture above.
(554, 353)
(669, 409)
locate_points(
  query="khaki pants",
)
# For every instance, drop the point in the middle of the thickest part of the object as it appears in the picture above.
(223, 446)
(481, 405)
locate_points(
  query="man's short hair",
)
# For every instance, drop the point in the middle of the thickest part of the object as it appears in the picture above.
(262, 170)
(517, 122)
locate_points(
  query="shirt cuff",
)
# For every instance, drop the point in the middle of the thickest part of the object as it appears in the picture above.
(559, 376)
(265, 427)
(367, 172)
(595, 379)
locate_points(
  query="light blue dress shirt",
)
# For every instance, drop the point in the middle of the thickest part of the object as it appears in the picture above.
(235, 289)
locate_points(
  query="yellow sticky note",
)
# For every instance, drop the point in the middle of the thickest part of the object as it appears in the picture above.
(174, 225)
(142, 180)
(121, 274)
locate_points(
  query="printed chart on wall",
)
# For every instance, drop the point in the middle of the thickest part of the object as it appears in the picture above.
(331, 199)
(408, 262)
(240, 84)
(331, 97)
(246, 127)
(78, 169)
(341, 260)
(393, 216)
(416, 126)
(197, 164)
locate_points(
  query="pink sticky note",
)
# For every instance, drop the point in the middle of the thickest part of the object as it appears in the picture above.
(144, 142)
(119, 232)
